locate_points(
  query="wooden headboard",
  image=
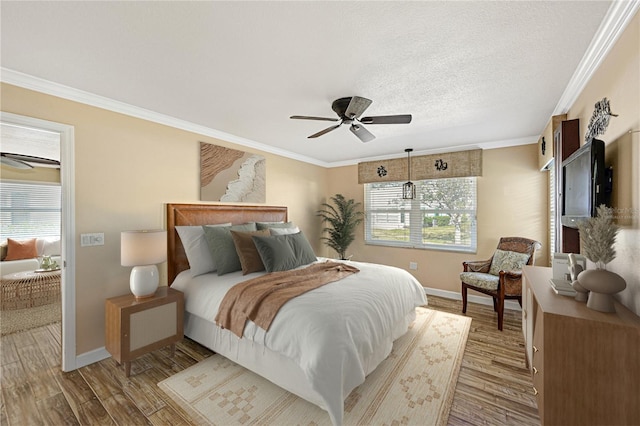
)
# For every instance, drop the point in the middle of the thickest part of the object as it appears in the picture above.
(209, 214)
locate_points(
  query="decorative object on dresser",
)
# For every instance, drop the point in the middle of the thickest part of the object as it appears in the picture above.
(501, 276)
(135, 326)
(575, 268)
(585, 364)
(344, 217)
(143, 250)
(597, 239)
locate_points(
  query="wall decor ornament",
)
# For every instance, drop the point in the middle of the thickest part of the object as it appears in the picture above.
(231, 175)
(597, 240)
(441, 165)
(543, 146)
(382, 172)
(599, 120)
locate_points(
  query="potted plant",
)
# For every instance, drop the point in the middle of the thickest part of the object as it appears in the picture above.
(597, 239)
(343, 219)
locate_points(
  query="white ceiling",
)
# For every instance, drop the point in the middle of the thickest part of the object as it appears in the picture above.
(473, 74)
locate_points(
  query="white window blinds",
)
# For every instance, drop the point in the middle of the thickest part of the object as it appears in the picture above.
(29, 210)
(441, 217)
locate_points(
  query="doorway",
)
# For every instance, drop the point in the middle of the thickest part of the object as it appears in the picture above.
(67, 224)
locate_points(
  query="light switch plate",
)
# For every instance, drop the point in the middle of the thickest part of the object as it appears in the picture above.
(95, 239)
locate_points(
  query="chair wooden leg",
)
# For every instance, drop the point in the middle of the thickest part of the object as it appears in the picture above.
(464, 298)
(495, 304)
(500, 312)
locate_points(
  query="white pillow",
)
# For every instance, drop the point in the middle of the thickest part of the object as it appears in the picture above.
(284, 231)
(48, 246)
(196, 248)
(51, 247)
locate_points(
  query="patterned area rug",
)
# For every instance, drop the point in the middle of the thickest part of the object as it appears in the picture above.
(413, 386)
(14, 321)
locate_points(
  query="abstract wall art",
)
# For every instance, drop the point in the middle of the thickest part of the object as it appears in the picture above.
(230, 175)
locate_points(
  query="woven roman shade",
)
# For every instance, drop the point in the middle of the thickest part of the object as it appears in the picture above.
(433, 166)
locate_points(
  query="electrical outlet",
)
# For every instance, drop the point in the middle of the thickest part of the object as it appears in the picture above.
(413, 266)
(95, 239)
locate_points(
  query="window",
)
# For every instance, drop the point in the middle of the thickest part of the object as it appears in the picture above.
(29, 210)
(441, 217)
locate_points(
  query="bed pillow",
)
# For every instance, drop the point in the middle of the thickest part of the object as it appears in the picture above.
(284, 252)
(269, 225)
(196, 249)
(222, 248)
(245, 247)
(21, 249)
(504, 260)
(284, 231)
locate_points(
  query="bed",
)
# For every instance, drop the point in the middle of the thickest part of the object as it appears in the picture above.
(322, 344)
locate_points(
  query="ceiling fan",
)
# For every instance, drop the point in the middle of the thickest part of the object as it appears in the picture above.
(349, 111)
(21, 161)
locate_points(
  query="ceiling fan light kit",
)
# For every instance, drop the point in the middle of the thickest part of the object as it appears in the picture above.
(349, 110)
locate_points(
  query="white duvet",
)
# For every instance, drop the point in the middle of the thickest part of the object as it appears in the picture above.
(337, 333)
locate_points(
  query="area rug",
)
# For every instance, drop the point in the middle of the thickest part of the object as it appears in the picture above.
(16, 320)
(413, 386)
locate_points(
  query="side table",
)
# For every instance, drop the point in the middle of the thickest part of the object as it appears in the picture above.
(29, 289)
(134, 327)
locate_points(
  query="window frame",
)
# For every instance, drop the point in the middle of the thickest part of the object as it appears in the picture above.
(416, 215)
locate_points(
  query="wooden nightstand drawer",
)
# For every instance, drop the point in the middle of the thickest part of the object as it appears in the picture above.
(135, 327)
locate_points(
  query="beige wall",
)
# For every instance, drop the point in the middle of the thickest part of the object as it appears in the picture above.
(126, 169)
(512, 201)
(618, 79)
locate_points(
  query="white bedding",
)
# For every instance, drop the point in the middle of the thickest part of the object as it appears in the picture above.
(335, 334)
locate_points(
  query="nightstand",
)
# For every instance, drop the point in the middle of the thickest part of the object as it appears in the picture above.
(135, 327)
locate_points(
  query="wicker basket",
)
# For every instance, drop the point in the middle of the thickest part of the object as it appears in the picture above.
(28, 289)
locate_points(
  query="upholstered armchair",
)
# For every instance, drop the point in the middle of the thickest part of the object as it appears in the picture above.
(500, 276)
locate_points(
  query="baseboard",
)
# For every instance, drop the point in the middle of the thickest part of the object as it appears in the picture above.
(91, 357)
(483, 300)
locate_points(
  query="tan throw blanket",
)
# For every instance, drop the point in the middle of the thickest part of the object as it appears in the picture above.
(259, 299)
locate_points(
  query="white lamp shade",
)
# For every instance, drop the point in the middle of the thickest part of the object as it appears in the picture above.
(138, 248)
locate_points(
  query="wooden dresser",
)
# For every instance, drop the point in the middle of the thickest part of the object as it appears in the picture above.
(585, 364)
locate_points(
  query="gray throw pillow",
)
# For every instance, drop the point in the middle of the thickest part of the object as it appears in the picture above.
(222, 247)
(284, 252)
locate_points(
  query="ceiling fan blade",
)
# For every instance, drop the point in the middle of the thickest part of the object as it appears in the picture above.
(322, 132)
(306, 117)
(387, 119)
(31, 159)
(17, 164)
(363, 134)
(356, 107)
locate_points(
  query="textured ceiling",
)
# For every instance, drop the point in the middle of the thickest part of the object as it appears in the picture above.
(472, 74)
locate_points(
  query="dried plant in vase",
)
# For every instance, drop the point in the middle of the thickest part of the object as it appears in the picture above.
(597, 240)
(598, 237)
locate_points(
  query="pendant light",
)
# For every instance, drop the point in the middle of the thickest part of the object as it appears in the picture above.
(408, 189)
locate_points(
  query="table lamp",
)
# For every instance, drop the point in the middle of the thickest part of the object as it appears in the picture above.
(143, 250)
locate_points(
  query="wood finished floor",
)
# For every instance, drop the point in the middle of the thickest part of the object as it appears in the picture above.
(494, 387)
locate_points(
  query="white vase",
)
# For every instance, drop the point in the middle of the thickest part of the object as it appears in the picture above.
(602, 285)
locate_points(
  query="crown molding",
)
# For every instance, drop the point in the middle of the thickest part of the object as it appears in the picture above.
(37, 84)
(614, 23)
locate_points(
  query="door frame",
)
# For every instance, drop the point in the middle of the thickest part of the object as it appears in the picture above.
(67, 228)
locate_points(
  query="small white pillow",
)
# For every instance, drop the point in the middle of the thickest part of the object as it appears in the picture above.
(196, 248)
(51, 247)
(284, 231)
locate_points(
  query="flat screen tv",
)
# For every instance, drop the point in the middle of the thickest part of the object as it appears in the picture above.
(583, 183)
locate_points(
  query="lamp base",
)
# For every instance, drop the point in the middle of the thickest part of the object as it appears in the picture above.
(144, 280)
